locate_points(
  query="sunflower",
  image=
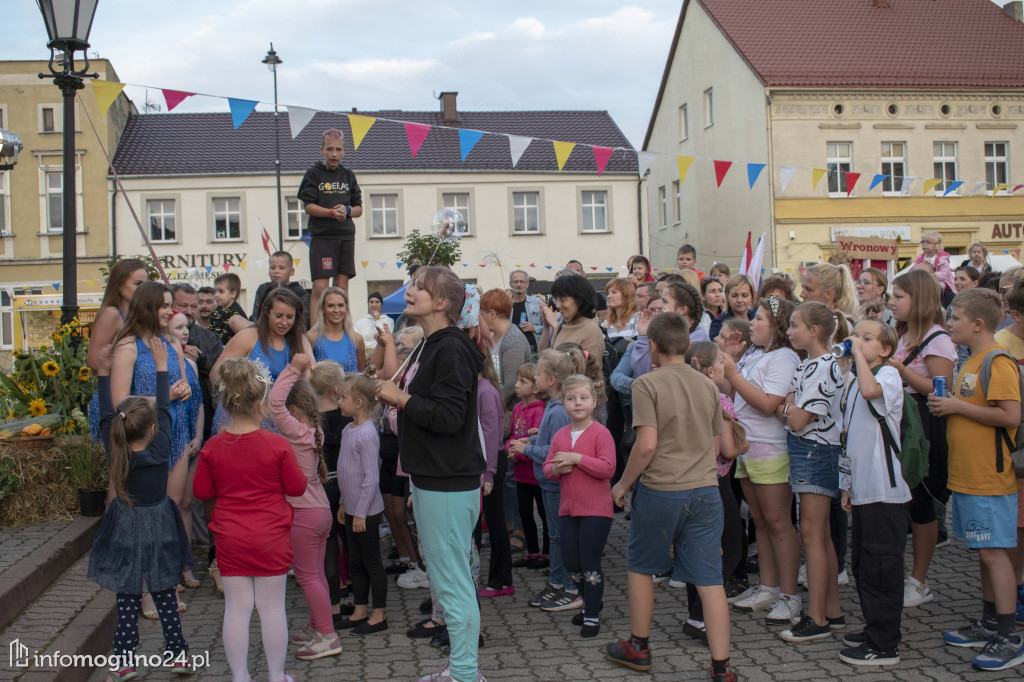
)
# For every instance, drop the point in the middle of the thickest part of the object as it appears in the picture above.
(57, 338)
(37, 407)
(50, 368)
(83, 373)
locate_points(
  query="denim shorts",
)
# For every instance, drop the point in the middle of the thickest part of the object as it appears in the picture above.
(690, 521)
(813, 467)
(985, 520)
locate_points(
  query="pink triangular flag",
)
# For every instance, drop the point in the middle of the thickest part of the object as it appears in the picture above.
(601, 156)
(175, 97)
(416, 133)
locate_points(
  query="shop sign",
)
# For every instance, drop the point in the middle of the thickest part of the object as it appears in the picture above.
(901, 232)
(1007, 231)
(54, 301)
(869, 248)
(201, 260)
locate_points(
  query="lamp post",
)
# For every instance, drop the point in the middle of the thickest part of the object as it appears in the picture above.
(68, 23)
(272, 60)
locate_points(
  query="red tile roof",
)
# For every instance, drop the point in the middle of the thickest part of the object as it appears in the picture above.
(174, 144)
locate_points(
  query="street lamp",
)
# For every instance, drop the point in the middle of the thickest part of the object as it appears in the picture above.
(68, 23)
(272, 60)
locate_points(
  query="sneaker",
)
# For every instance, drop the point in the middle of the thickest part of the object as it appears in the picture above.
(942, 541)
(974, 635)
(413, 579)
(398, 568)
(538, 562)
(677, 584)
(445, 675)
(855, 639)
(496, 591)
(124, 674)
(801, 576)
(623, 653)
(305, 635)
(785, 611)
(728, 675)
(836, 624)
(915, 594)
(695, 629)
(806, 631)
(735, 588)
(563, 601)
(183, 668)
(1001, 653)
(548, 592)
(757, 599)
(844, 578)
(661, 577)
(320, 647)
(865, 655)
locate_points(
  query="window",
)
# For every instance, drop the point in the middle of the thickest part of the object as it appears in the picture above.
(54, 202)
(684, 124)
(679, 201)
(997, 163)
(595, 211)
(3, 201)
(293, 213)
(709, 108)
(526, 212)
(662, 207)
(458, 201)
(6, 322)
(894, 164)
(384, 215)
(840, 161)
(48, 124)
(161, 220)
(944, 158)
(227, 219)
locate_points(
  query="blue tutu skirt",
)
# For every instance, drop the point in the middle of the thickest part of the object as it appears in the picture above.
(140, 549)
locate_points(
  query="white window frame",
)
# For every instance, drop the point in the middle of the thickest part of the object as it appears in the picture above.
(895, 186)
(384, 212)
(709, 107)
(677, 192)
(5, 203)
(684, 124)
(293, 208)
(48, 195)
(44, 168)
(6, 320)
(450, 198)
(838, 165)
(992, 161)
(163, 214)
(663, 207)
(592, 207)
(226, 212)
(519, 205)
(948, 163)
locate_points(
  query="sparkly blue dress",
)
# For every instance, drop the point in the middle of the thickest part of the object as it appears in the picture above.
(195, 403)
(271, 363)
(342, 351)
(144, 383)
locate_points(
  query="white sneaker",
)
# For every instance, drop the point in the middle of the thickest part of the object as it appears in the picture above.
(413, 578)
(801, 577)
(915, 594)
(677, 584)
(785, 611)
(844, 577)
(758, 599)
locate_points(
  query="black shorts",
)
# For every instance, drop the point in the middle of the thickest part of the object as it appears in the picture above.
(390, 482)
(331, 257)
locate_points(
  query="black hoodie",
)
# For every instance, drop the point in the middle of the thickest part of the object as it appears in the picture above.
(328, 188)
(437, 428)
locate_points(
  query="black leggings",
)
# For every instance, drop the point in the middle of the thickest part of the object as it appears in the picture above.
(364, 559)
(499, 572)
(333, 551)
(529, 495)
(582, 540)
(126, 635)
(732, 545)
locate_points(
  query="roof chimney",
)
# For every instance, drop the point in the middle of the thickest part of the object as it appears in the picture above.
(1015, 9)
(881, 4)
(449, 113)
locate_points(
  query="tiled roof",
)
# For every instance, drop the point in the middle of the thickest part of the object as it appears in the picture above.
(170, 144)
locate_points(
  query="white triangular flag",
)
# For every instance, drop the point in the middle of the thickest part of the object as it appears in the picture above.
(978, 186)
(644, 161)
(907, 182)
(786, 174)
(299, 118)
(517, 144)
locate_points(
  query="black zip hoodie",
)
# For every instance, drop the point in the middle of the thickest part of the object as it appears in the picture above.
(437, 428)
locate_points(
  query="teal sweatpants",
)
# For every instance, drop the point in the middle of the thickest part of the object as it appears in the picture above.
(445, 522)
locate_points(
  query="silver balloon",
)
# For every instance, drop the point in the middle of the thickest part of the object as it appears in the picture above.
(449, 225)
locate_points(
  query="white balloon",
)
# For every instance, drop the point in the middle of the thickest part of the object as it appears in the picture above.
(449, 225)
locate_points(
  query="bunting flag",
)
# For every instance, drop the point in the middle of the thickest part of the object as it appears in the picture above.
(299, 118)
(683, 162)
(816, 175)
(930, 184)
(953, 186)
(209, 269)
(416, 133)
(307, 237)
(227, 267)
(360, 125)
(851, 182)
(517, 144)
(56, 286)
(265, 236)
(468, 140)
(240, 110)
(721, 168)
(562, 152)
(1015, 188)
(175, 97)
(877, 180)
(398, 264)
(644, 161)
(601, 156)
(908, 180)
(753, 172)
(243, 264)
(745, 257)
(977, 186)
(298, 262)
(365, 263)
(999, 188)
(106, 92)
(786, 174)
(91, 283)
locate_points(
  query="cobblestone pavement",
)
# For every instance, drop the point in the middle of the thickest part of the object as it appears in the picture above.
(523, 643)
(16, 543)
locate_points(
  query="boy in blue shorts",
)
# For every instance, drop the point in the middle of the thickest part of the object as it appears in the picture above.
(981, 475)
(676, 504)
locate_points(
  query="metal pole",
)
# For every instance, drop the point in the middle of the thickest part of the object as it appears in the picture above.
(69, 85)
(277, 164)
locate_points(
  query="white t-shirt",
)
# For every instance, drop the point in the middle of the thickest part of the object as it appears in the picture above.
(574, 435)
(818, 386)
(864, 444)
(772, 373)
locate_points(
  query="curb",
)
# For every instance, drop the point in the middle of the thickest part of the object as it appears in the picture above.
(88, 634)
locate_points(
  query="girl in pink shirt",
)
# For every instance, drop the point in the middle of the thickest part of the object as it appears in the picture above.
(526, 416)
(582, 459)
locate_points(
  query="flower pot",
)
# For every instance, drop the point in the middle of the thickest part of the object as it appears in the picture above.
(92, 502)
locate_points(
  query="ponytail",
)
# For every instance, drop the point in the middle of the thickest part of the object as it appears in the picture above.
(318, 444)
(133, 422)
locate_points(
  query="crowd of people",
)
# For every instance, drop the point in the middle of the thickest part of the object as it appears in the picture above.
(737, 426)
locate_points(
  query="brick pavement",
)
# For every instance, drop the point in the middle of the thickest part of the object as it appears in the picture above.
(18, 542)
(523, 643)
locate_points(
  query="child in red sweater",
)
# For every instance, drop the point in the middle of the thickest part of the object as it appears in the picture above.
(249, 471)
(526, 416)
(582, 459)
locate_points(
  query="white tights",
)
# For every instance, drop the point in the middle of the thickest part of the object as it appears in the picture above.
(266, 593)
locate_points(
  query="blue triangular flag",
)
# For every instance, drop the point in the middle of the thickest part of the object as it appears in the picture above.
(610, 269)
(879, 177)
(307, 237)
(209, 269)
(240, 110)
(398, 264)
(468, 140)
(548, 267)
(953, 186)
(753, 171)
(56, 286)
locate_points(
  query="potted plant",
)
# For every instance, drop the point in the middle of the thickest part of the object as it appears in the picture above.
(88, 471)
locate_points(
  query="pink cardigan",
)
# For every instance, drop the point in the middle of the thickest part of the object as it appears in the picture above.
(300, 437)
(585, 490)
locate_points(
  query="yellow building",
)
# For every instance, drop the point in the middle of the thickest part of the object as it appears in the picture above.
(31, 194)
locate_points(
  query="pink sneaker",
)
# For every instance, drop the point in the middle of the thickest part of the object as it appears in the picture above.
(492, 592)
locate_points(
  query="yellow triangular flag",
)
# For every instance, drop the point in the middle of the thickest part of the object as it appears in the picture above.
(999, 188)
(360, 126)
(930, 184)
(106, 92)
(243, 264)
(365, 263)
(684, 166)
(817, 174)
(91, 283)
(298, 261)
(562, 152)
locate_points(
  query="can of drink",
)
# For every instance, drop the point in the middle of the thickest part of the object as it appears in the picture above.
(522, 319)
(842, 349)
(941, 387)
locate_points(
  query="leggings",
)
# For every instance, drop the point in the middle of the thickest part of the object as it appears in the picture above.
(499, 572)
(529, 495)
(364, 557)
(582, 540)
(336, 568)
(732, 545)
(310, 528)
(126, 636)
(266, 593)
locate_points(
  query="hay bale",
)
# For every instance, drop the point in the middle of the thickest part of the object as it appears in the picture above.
(46, 493)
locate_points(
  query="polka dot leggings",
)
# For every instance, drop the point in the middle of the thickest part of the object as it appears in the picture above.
(126, 636)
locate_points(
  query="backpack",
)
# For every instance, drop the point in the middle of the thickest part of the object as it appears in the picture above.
(912, 450)
(1016, 449)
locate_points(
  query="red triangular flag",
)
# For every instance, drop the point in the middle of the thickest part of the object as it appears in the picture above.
(532, 265)
(721, 168)
(175, 97)
(601, 156)
(1012, 191)
(593, 268)
(416, 133)
(851, 180)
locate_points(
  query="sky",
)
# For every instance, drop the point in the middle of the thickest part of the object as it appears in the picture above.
(381, 54)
